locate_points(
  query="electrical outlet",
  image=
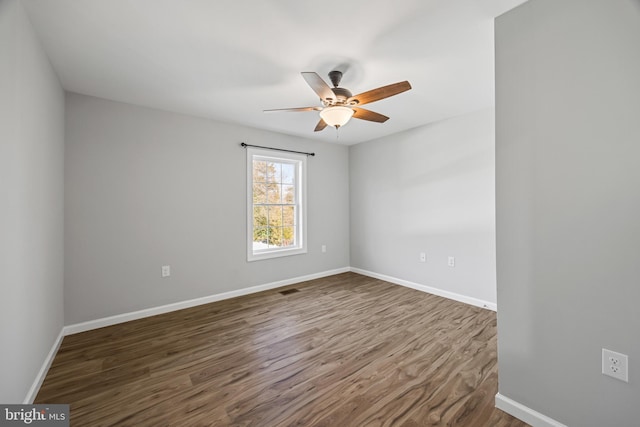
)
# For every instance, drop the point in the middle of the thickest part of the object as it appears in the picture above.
(166, 270)
(423, 257)
(615, 365)
(324, 248)
(451, 262)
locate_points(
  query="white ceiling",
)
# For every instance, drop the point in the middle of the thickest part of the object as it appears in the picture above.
(230, 59)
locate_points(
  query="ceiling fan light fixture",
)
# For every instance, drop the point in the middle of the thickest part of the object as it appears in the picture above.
(336, 116)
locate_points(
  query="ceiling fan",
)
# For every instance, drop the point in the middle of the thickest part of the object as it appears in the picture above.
(339, 105)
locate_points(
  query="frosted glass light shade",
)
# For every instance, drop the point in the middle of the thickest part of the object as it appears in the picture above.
(336, 116)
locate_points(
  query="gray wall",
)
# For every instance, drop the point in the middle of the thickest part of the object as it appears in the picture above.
(31, 204)
(146, 187)
(568, 207)
(430, 189)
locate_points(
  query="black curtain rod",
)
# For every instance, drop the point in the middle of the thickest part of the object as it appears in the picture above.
(277, 149)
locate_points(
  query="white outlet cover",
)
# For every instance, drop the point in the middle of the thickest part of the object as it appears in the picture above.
(423, 257)
(451, 261)
(615, 365)
(166, 270)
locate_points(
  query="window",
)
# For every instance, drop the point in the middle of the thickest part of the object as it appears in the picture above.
(276, 208)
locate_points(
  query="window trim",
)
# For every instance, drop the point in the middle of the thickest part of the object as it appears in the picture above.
(301, 198)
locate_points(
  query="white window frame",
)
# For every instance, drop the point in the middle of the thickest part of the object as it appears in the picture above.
(301, 203)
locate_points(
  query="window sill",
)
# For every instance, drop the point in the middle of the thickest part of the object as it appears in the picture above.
(275, 254)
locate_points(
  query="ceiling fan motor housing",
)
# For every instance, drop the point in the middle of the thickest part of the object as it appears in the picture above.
(342, 94)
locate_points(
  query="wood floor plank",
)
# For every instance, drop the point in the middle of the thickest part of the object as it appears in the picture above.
(346, 350)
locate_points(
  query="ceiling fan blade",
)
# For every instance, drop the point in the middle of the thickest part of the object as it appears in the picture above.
(321, 125)
(318, 85)
(293, 109)
(372, 116)
(380, 93)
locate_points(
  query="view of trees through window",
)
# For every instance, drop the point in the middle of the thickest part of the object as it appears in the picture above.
(274, 204)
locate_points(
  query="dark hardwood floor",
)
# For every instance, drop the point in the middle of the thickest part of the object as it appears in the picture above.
(345, 350)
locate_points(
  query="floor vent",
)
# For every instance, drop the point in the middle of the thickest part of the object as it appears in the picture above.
(289, 291)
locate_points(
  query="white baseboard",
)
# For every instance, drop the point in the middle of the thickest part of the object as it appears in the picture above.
(148, 312)
(35, 387)
(435, 291)
(524, 413)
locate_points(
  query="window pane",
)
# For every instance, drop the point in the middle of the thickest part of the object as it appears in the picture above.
(288, 173)
(275, 216)
(288, 236)
(259, 193)
(273, 193)
(259, 216)
(273, 172)
(288, 194)
(260, 238)
(259, 171)
(275, 237)
(288, 215)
